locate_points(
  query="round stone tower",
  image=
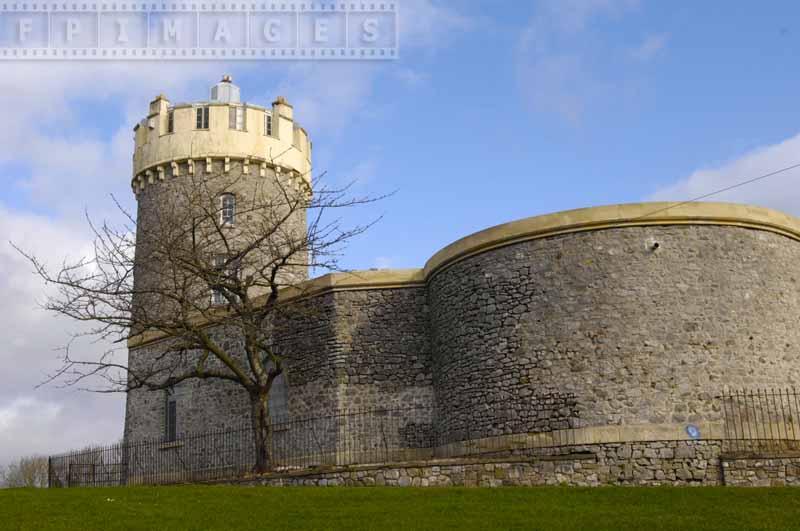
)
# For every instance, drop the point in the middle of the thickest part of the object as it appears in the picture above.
(247, 151)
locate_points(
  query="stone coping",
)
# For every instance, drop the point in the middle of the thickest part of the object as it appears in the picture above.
(761, 456)
(357, 280)
(566, 222)
(613, 216)
(332, 282)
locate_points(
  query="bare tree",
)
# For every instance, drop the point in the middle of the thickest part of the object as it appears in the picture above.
(26, 472)
(184, 271)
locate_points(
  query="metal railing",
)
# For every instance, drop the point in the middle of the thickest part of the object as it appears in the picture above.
(761, 420)
(756, 422)
(363, 437)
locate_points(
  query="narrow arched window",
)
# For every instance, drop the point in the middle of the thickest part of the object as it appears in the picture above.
(227, 213)
(279, 400)
(171, 416)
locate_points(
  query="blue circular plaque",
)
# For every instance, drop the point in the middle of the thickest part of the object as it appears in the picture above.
(693, 431)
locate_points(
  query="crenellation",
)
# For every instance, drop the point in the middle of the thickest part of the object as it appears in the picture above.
(155, 145)
(177, 167)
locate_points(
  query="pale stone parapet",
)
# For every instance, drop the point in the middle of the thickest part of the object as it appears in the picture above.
(292, 177)
(613, 216)
(156, 143)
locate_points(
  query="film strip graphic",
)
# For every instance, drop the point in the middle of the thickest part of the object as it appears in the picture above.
(199, 30)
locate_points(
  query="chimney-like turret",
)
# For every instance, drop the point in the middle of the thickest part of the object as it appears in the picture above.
(225, 91)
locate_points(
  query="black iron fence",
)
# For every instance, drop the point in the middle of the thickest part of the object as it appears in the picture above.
(761, 421)
(365, 437)
(755, 422)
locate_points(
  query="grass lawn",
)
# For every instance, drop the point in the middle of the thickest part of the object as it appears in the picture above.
(223, 507)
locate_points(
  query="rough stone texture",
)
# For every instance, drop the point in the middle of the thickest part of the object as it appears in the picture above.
(172, 201)
(638, 336)
(383, 358)
(201, 405)
(653, 464)
(762, 472)
(579, 330)
(345, 351)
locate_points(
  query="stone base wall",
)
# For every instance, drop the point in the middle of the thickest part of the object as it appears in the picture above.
(640, 463)
(776, 471)
(597, 329)
(693, 463)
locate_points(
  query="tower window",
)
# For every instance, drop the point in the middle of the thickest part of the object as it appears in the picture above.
(279, 400)
(171, 417)
(202, 117)
(217, 295)
(237, 117)
(227, 270)
(227, 209)
(268, 124)
(170, 121)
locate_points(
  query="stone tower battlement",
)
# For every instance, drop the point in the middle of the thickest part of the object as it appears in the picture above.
(191, 137)
(233, 151)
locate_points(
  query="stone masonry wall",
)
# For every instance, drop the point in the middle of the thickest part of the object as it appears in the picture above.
(586, 329)
(637, 334)
(773, 471)
(352, 350)
(165, 212)
(646, 463)
(384, 359)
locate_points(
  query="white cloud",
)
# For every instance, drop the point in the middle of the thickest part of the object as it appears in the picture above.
(330, 95)
(651, 46)
(572, 16)
(71, 160)
(428, 24)
(411, 78)
(558, 54)
(32, 426)
(21, 412)
(21, 409)
(780, 191)
(383, 262)
(363, 172)
(83, 163)
(44, 419)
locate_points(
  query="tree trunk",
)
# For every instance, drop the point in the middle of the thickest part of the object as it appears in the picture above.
(262, 432)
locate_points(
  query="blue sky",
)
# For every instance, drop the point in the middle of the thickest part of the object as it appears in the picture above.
(495, 111)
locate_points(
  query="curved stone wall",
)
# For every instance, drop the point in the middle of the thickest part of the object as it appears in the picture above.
(611, 326)
(625, 320)
(165, 205)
